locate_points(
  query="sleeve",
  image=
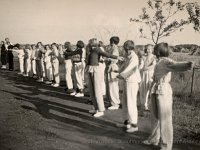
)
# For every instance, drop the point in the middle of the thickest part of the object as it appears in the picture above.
(72, 53)
(174, 66)
(105, 54)
(130, 68)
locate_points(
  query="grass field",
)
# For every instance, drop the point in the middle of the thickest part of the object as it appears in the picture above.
(186, 114)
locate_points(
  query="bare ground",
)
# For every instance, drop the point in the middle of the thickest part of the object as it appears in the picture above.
(34, 116)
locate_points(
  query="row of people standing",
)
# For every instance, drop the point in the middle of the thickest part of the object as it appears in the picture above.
(6, 54)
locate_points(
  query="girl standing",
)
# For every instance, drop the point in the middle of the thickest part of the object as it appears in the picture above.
(161, 97)
(131, 76)
(48, 64)
(33, 61)
(147, 70)
(55, 64)
(3, 55)
(27, 58)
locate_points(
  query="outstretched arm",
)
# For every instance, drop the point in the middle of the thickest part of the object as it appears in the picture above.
(180, 66)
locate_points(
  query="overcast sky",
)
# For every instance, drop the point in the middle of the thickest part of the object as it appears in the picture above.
(30, 21)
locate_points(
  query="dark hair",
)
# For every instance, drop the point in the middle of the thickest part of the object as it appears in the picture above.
(129, 45)
(161, 50)
(47, 45)
(10, 47)
(114, 39)
(145, 47)
(80, 44)
(39, 43)
(17, 46)
(68, 45)
(54, 44)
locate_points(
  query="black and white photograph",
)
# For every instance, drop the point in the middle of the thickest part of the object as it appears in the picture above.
(100, 75)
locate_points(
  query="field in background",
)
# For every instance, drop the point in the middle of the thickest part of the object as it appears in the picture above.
(186, 114)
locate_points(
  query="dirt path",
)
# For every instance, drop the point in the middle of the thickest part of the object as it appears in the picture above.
(34, 116)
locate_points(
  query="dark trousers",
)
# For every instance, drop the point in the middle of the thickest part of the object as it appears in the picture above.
(10, 60)
(3, 57)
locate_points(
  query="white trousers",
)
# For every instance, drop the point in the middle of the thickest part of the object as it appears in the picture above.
(79, 69)
(129, 102)
(49, 71)
(96, 91)
(102, 78)
(21, 65)
(27, 65)
(68, 73)
(33, 65)
(113, 84)
(56, 72)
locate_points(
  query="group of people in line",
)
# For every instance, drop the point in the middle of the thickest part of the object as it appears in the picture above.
(146, 75)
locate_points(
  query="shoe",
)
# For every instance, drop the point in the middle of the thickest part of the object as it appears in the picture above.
(3, 67)
(34, 76)
(147, 142)
(113, 107)
(25, 75)
(55, 85)
(48, 82)
(132, 129)
(79, 95)
(98, 114)
(72, 94)
(127, 124)
(20, 73)
(40, 80)
(93, 111)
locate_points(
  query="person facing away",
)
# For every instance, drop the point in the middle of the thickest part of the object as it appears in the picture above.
(129, 72)
(68, 68)
(113, 83)
(161, 97)
(148, 62)
(33, 61)
(27, 59)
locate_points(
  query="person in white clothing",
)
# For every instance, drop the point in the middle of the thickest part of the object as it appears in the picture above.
(129, 72)
(33, 61)
(102, 66)
(55, 64)
(48, 64)
(20, 51)
(27, 59)
(113, 82)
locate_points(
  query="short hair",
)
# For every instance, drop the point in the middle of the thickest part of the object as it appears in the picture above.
(80, 44)
(10, 47)
(93, 42)
(47, 45)
(33, 45)
(145, 47)
(17, 46)
(115, 40)
(129, 45)
(161, 50)
(39, 43)
(68, 45)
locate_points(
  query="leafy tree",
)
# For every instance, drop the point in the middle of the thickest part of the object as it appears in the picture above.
(159, 19)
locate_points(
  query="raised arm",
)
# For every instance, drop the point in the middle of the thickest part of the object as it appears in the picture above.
(179, 66)
(72, 52)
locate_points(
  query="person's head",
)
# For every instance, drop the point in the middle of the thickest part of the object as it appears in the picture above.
(2, 42)
(7, 40)
(101, 44)
(17, 46)
(47, 47)
(39, 45)
(148, 49)
(28, 47)
(54, 46)
(93, 42)
(60, 47)
(33, 46)
(10, 47)
(129, 46)
(161, 50)
(80, 44)
(114, 40)
(67, 45)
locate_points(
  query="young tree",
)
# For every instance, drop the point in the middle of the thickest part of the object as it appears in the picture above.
(159, 19)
